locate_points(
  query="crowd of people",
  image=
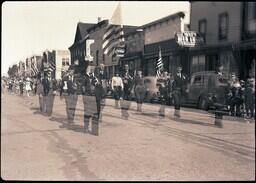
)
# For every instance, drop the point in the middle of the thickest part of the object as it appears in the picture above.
(94, 87)
(20, 85)
(241, 97)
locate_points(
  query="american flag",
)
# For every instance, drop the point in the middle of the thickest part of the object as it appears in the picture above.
(51, 66)
(159, 64)
(34, 68)
(113, 38)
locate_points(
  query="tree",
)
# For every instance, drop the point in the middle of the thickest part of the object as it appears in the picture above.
(13, 71)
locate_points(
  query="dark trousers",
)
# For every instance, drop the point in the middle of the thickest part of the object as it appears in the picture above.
(126, 93)
(71, 101)
(40, 98)
(117, 92)
(177, 99)
(235, 104)
(250, 109)
(91, 112)
(49, 104)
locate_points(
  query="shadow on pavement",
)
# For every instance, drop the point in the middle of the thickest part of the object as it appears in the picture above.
(68, 125)
(192, 122)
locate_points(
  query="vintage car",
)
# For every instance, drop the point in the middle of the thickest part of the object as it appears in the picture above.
(207, 89)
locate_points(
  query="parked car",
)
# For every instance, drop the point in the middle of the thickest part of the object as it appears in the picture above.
(207, 89)
(152, 84)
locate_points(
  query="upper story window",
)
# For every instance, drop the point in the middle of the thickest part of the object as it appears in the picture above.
(65, 61)
(202, 25)
(223, 26)
(251, 12)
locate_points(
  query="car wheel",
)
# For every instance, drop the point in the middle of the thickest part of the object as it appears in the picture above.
(203, 104)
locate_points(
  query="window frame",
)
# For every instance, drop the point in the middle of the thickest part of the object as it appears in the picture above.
(200, 22)
(220, 35)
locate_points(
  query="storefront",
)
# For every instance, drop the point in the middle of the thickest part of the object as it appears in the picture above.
(238, 58)
(172, 56)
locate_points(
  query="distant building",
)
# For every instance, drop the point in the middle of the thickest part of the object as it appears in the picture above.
(56, 61)
(229, 31)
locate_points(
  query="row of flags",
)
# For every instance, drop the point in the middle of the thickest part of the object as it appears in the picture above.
(113, 44)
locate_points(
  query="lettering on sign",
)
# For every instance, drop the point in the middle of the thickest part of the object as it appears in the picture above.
(188, 39)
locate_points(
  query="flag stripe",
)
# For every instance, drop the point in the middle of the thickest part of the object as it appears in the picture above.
(113, 35)
(159, 64)
(113, 41)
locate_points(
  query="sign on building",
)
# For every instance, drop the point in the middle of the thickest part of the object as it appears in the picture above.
(88, 56)
(188, 39)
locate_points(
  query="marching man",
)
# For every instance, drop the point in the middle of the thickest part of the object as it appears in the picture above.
(179, 84)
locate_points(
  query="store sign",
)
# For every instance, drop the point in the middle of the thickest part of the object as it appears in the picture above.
(88, 56)
(188, 39)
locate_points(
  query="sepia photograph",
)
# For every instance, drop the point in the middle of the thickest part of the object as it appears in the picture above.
(128, 90)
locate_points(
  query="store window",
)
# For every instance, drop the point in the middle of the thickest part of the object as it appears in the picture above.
(223, 26)
(202, 25)
(198, 63)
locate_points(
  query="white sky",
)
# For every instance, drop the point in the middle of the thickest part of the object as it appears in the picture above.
(31, 27)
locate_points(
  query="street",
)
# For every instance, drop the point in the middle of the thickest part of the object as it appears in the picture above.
(144, 147)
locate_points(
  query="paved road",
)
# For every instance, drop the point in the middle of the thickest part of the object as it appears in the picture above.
(145, 147)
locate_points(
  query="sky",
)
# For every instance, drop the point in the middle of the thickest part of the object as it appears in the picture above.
(29, 28)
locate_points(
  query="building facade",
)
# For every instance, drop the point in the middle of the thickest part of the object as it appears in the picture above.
(134, 44)
(160, 35)
(228, 30)
(95, 32)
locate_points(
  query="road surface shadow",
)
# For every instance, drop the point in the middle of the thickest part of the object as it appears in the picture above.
(69, 125)
(192, 122)
(35, 108)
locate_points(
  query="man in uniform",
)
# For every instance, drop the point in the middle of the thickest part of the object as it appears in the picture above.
(117, 88)
(70, 97)
(46, 89)
(90, 106)
(51, 95)
(164, 92)
(128, 84)
(101, 90)
(179, 87)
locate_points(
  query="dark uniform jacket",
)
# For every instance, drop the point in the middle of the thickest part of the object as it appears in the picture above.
(128, 82)
(87, 85)
(179, 82)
